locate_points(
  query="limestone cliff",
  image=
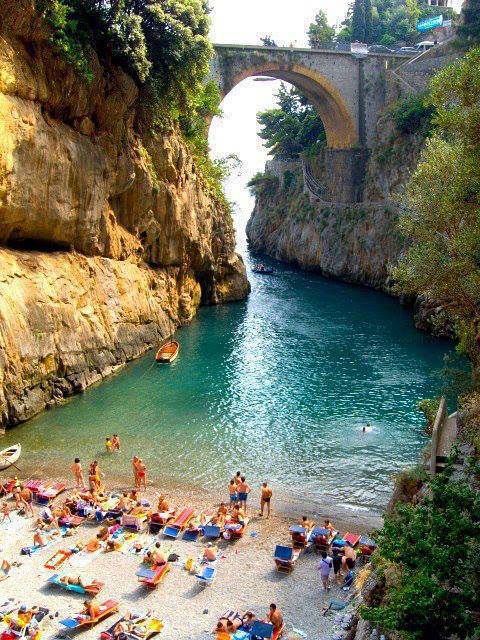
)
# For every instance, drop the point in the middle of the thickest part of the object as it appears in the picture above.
(355, 243)
(111, 236)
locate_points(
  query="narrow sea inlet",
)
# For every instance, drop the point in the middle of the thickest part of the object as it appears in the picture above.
(278, 386)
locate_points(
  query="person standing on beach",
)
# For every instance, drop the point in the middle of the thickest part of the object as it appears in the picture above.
(135, 471)
(243, 491)
(265, 499)
(232, 490)
(141, 474)
(78, 474)
(116, 442)
(26, 497)
(325, 567)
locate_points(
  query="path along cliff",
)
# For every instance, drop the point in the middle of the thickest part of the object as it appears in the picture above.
(110, 238)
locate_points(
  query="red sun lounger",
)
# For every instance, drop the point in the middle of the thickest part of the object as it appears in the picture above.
(106, 609)
(153, 575)
(352, 538)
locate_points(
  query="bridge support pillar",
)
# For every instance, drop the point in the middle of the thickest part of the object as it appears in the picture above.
(338, 174)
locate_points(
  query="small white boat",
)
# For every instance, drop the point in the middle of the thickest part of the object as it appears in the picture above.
(9, 456)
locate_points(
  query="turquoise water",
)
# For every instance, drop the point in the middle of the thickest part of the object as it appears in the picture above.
(278, 386)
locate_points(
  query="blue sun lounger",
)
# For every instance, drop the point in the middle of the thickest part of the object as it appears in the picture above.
(207, 575)
(212, 531)
(171, 532)
(285, 558)
(191, 535)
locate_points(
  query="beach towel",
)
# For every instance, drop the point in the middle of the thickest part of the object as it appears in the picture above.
(29, 551)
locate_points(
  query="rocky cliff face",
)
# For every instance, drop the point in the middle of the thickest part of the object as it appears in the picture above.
(356, 242)
(111, 237)
(349, 242)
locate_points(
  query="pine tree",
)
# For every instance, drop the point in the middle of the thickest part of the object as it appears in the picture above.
(368, 20)
(469, 30)
(358, 21)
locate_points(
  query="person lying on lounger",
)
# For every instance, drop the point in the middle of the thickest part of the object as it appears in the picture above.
(248, 620)
(73, 581)
(210, 553)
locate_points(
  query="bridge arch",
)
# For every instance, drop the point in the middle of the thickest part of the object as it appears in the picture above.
(339, 122)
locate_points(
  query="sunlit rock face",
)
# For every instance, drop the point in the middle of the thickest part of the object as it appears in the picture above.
(112, 238)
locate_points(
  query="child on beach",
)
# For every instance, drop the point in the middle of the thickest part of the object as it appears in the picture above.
(108, 445)
(78, 474)
(5, 511)
(232, 490)
(325, 567)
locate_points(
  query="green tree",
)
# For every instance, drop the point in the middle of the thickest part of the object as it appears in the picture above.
(358, 21)
(432, 552)
(469, 29)
(293, 127)
(413, 10)
(162, 44)
(320, 31)
(268, 41)
(443, 198)
(368, 20)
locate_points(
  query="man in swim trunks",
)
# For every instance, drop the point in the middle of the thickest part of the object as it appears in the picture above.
(265, 499)
(115, 442)
(275, 617)
(243, 491)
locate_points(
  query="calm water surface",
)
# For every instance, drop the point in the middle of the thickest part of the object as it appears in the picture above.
(279, 386)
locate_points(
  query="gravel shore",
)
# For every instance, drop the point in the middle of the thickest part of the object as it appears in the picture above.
(246, 576)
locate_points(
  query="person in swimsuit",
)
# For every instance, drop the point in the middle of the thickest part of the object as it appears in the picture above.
(232, 490)
(142, 474)
(265, 499)
(115, 442)
(275, 617)
(135, 470)
(78, 474)
(26, 497)
(243, 491)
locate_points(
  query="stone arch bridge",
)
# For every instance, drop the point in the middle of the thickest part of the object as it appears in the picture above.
(348, 93)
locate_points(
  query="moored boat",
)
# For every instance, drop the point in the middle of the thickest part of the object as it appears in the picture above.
(261, 268)
(9, 456)
(168, 352)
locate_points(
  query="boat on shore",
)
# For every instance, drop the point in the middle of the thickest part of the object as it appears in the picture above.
(168, 352)
(261, 268)
(9, 456)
